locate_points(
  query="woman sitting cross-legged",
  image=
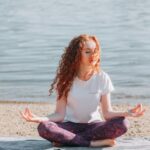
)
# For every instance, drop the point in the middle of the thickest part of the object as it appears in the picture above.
(83, 91)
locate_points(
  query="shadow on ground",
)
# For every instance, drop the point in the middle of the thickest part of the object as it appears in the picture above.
(20, 143)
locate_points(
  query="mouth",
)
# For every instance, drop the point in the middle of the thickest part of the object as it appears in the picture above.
(92, 60)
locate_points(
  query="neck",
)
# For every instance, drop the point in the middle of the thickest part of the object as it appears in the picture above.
(84, 71)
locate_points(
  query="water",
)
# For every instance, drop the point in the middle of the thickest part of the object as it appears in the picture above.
(33, 34)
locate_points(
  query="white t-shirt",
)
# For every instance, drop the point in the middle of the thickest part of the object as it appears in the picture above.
(84, 98)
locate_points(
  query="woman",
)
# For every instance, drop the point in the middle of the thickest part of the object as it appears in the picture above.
(83, 89)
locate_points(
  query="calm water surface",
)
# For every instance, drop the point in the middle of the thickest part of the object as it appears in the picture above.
(33, 34)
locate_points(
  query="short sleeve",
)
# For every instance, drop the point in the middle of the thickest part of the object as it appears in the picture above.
(108, 86)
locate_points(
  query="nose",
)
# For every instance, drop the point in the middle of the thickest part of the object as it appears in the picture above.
(92, 58)
(94, 55)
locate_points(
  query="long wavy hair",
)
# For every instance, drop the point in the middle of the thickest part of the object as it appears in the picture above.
(69, 65)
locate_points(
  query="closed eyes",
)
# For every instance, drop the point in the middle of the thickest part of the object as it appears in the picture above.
(87, 52)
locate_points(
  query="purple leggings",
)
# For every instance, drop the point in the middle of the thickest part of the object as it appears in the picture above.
(80, 134)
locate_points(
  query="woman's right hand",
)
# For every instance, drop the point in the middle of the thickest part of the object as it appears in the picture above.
(30, 117)
(137, 111)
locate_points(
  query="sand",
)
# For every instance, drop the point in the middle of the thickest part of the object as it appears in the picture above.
(13, 125)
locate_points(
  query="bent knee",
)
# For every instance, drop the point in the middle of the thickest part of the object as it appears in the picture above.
(41, 128)
(45, 127)
(123, 123)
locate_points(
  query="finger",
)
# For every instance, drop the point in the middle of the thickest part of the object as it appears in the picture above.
(133, 110)
(136, 108)
(24, 116)
(139, 108)
(29, 112)
(33, 115)
(31, 119)
(26, 110)
(140, 114)
(27, 118)
(139, 104)
(143, 111)
(30, 115)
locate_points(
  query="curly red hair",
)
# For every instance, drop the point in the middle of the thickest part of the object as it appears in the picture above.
(69, 65)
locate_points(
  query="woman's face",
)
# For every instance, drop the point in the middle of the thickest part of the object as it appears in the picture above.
(89, 54)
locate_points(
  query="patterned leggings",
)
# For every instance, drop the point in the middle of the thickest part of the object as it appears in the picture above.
(80, 134)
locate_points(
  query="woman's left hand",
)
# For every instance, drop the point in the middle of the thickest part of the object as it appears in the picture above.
(136, 111)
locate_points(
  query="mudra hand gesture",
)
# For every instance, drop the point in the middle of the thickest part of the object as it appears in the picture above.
(29, 116)
(137, 111)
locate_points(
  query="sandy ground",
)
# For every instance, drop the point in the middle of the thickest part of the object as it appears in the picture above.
(12, 124)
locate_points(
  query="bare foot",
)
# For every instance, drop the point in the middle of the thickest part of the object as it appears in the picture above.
(106, 142)
(55, 144)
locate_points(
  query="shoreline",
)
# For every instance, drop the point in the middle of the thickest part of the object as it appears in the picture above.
(22, 102)
(13, 125)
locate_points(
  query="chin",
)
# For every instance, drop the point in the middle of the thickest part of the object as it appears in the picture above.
(93, 63)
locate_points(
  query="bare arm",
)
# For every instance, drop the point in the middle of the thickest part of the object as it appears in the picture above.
(60, 111)
(108, 112)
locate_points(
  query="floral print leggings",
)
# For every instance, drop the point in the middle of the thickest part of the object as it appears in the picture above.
(80, 134)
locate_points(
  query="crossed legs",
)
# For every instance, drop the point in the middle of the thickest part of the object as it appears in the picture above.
(84, 134)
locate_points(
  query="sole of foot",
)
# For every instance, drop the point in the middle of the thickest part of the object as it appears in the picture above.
(106, 142)
(55, 144)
